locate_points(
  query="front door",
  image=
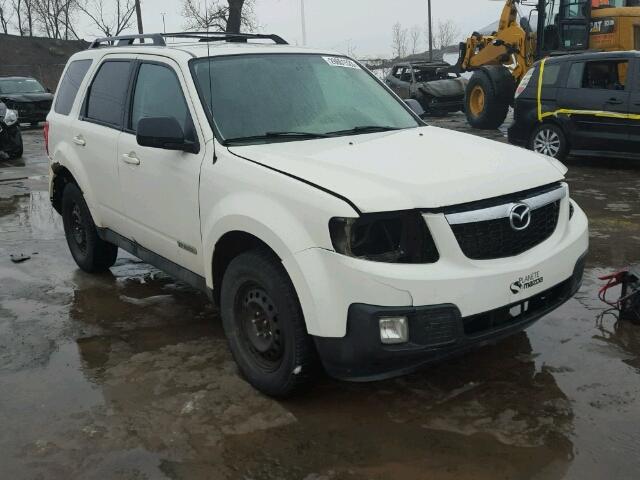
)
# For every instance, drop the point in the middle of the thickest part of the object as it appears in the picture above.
(596, 99)
(159, 188)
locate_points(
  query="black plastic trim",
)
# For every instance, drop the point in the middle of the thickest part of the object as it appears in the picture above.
(146, 255)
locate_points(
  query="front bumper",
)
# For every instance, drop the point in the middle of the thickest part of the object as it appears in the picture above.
(436, 332)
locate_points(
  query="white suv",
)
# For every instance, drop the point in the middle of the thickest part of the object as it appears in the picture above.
(330, 224)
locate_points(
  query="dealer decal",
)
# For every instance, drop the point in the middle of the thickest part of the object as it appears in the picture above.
(524, 283)
(341, 62)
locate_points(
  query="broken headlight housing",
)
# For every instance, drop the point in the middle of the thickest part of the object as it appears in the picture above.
(10, 117)
(398, 237)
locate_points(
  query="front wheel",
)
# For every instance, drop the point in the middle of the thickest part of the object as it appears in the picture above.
(264, 325)
(549, 139)
(91, 253)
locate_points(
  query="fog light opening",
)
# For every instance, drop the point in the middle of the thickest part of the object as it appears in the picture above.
(394, 330)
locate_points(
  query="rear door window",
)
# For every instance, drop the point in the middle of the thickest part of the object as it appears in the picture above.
(106, 99)
(605, 75)
(69, 86)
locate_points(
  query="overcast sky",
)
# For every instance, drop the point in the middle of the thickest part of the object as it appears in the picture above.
(335, 24)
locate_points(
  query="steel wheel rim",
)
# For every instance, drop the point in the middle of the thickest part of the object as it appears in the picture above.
(78, 231)
(477, 100)
(547, 142)
(257, 319)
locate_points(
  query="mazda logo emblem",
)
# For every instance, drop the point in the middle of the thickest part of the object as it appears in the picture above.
(520, 217)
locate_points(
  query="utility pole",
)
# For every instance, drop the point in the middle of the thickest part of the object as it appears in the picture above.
(139, 15)
(164, 25)
(304, 23)
(430, 34)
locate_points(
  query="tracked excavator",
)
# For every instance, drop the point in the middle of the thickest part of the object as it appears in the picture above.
(530, 30)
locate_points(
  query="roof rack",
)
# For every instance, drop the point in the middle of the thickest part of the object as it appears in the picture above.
(158, 39)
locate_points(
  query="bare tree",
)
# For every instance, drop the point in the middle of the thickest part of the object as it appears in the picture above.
(24, 13)
(54, 18)
(220, 15)
(399, 41)
(4, 16)
(446, 35)
(414, 38)
(110, 23)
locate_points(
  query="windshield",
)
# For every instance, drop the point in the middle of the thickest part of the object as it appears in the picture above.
(259, 95)
(20, 85)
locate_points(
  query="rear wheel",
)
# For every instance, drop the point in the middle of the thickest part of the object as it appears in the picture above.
(91, 253)
(549, 139)
(485, 106)
(264, 325)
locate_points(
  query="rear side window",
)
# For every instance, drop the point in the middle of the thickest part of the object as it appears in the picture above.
(106, 98)
(605, 75)
(69, 86)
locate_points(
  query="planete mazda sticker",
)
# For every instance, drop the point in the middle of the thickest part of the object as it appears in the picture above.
(527, 282)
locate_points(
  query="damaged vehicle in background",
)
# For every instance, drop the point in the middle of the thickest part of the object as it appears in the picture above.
(10, 135)
(28, 97)
(438, 91)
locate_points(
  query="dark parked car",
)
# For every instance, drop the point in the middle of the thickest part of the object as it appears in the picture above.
(27, 96)
(438, 91)
(589, 104)
(10, 136)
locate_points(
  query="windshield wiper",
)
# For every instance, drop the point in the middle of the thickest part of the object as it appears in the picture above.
(364, 129)
(275, 135)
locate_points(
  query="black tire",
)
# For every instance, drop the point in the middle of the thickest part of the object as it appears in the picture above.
(549, 139)
(264, 325)
(91, 253)
(495, 107)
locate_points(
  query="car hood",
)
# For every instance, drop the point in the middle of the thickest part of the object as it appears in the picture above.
(426, 167)
(26, 97)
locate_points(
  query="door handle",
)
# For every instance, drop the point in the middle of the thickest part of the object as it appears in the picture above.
(614, 101)
(131, 159)
(78, 140)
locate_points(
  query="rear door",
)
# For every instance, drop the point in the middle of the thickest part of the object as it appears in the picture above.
(596, 101)
(400, 81)
(94, 136)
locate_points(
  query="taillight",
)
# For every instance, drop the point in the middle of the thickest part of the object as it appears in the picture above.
(46, 136)
(524, 82)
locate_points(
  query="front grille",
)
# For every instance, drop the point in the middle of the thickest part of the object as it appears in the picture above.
(493, 239)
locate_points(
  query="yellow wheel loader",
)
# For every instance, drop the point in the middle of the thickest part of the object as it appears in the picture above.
(552, 27)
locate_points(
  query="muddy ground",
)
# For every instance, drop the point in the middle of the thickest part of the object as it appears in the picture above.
(127, 375)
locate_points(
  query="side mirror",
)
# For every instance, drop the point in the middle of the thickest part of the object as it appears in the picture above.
(415, 106)
(165, 133)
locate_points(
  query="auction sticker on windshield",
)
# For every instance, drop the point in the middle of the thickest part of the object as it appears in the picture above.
(341, 62)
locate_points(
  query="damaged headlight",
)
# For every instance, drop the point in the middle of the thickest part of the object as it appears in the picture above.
(398, 237)
(10, 117)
